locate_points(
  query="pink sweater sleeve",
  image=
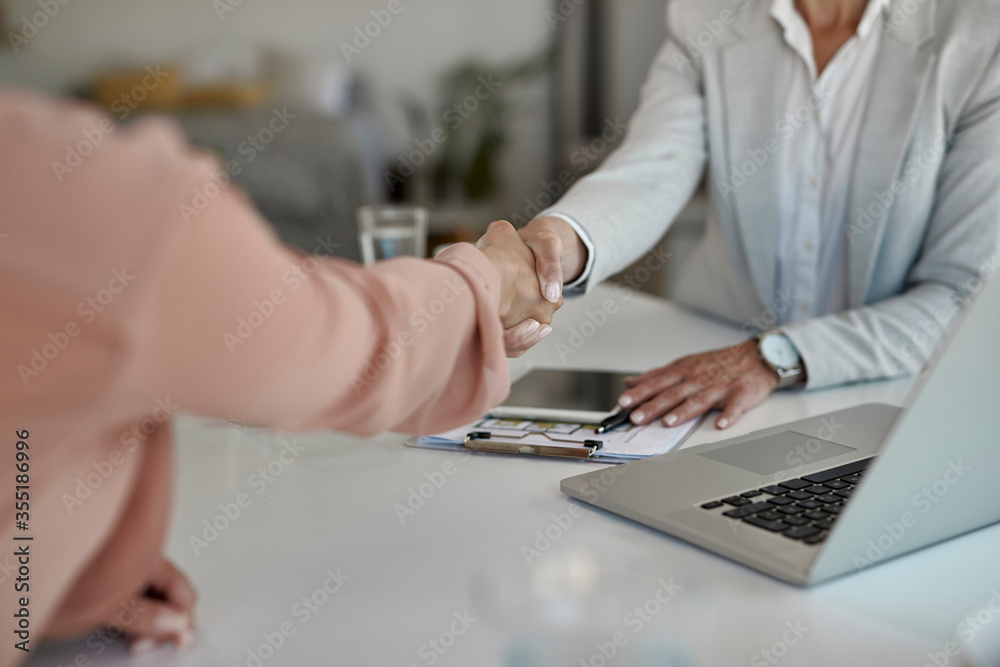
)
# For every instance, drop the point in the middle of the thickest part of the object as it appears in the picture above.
(239, 326)
(117, 308)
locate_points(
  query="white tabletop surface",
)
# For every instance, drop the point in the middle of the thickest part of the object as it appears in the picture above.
(405, 581)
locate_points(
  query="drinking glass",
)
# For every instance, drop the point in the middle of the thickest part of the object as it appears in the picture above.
(392, 231)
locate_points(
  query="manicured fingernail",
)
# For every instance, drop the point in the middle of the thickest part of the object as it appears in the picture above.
(533, 327)
(723, 423)
(170, 623)
(552, 293)
(545, 332)
(625, 401)
(142, 646)
(670, 420)
(637, 417)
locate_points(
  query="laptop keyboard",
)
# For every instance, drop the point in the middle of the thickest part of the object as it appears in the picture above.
(802, 509)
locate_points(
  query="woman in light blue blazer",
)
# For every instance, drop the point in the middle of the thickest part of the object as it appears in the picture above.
(852, 150)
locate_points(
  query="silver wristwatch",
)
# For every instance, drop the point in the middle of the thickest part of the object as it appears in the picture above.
(779, 354)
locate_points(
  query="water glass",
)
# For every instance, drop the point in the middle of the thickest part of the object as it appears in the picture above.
(392, 231)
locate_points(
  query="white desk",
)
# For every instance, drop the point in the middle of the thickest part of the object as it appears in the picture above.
(333, 507)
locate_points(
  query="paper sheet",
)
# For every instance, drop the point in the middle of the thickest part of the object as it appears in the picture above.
(629, 441)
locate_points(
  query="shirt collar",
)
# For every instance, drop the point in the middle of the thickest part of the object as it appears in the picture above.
(796, 32)
(874, 13)
(785, 13)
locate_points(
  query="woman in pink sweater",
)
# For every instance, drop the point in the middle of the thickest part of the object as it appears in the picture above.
(132, 286)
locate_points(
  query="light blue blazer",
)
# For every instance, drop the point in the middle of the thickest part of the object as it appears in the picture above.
(924, 211)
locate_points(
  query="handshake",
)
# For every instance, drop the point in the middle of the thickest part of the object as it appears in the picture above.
(533, 264)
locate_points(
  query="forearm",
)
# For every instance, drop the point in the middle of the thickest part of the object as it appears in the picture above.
(243, 328)
(635, 195)
(893, 338)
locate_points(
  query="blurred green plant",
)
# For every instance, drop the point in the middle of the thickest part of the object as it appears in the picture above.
(478, 125)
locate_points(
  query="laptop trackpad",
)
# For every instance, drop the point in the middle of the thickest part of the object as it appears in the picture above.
(774, 453)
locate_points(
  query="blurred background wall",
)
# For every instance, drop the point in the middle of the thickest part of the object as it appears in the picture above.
(369, 79)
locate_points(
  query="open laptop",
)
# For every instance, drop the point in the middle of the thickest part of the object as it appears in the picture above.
(825, 496)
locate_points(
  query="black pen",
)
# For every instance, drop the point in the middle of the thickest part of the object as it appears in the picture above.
(614, 421)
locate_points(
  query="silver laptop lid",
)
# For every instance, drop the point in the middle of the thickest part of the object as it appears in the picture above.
(939, 471)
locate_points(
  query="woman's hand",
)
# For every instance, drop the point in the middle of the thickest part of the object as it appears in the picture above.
(732, 380)
(524, 312)
(166, 610)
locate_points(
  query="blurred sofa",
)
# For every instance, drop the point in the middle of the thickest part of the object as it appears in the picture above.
(307, 182)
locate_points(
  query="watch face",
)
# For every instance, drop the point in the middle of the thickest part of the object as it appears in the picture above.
(779, 351)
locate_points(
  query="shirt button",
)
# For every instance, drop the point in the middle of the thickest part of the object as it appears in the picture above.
(812, 182)
(816, 115)
(804, 306)
(808, 246)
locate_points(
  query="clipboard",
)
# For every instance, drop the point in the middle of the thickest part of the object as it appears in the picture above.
(486, 437)
(483, 441)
